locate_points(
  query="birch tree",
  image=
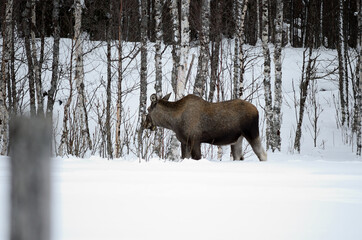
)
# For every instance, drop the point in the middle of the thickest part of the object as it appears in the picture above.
(341, 64)
(176, 39)
(215, 52)
(202, 68)
(55, 63)
(278, 98)
(143, 80)
(158, 67)
(26, 22)
(37, 63)
(267, 84)
(239, 66)
(173, 151)
(5, 76)
(109, 82)
(358, 84)
(119, 84)
(81, 117)
(184, 50)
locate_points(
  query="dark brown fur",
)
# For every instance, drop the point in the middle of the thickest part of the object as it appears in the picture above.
(197, 121)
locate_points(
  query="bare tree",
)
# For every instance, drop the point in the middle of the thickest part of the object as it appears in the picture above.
(204, 55)
(158, 67)
(180, 84)
(278, 98)
(26, 15)
(176, 40)
(37, 63)
(81, 116)
(308, 74)
(341, 62)
(215, 52)
(185, 47)
(143, 80)
(267, 84)
(55, 63)
(357, 86)
(119, 84)
(5, 76)
(109, 81)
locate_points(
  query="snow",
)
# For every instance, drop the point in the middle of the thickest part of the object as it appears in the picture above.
(316, 194)
(287, 197)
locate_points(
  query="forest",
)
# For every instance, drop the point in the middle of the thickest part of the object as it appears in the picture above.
(81, 63)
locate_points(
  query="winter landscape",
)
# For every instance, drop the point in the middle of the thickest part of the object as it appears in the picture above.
(112, 179)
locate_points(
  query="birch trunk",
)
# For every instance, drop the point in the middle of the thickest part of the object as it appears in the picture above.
(358, 84)
(109, 82)
(184, 50)
(5, 76)
(119, 85)
(236, 77)
(179, 85)
(26, 14)
(202, 68)
(341, 62)
(143, 83)
(215, 54)
(176, 44)
(308, 73)
(55, 63)
(64, 147)
(241, 37)
(36, 63)
(267, 85)
(278, 98)
(81, 117)
(158, 67)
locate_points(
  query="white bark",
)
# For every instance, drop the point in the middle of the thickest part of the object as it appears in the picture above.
(119, 85)
(158, 67)
(176, 43)
(36, 62)
(143, 84)
(173, 151)
(55, 62)
(202, 69)
(359, 82)
(267, 85)
(5, 76)
(341, 61)
(278, 98)
(185, 46)
(80, 111)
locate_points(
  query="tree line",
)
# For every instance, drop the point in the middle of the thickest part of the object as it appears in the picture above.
(179, 24)
(295, 16)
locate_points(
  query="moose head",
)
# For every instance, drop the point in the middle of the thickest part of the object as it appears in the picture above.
(151, 117)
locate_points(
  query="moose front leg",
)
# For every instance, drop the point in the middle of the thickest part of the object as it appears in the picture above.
(196, 150)
(185, 151)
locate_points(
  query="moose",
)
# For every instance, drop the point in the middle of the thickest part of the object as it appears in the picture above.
(197, 121)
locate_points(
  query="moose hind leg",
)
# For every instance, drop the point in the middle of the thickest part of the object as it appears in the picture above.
(237, 149)
(258, 149)
(185, 151)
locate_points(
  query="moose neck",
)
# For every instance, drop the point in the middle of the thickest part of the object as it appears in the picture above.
(165, 115)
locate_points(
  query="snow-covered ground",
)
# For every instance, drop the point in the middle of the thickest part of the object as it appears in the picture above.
(316, 194)
(288, 197)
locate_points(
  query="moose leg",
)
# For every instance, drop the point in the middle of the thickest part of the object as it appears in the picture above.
(196, 150)
(185, 151)
(237, 149)
(258, 149)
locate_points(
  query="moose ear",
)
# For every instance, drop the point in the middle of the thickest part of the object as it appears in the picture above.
(166, 97)
(153, 98)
